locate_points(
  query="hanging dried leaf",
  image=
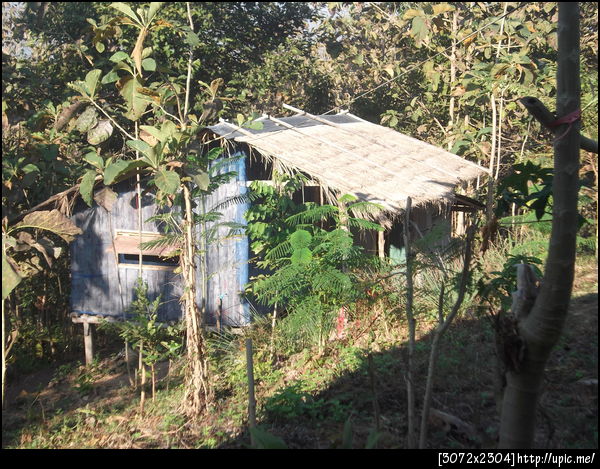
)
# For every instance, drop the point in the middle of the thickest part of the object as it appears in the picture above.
(100, 133)
(106, 198)
(53, 221)
(87, 120)
(138, 49)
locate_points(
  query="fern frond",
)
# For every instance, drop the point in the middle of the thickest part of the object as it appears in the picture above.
(281, 250)
(364, 224)
(171, 239)
(313, 215)
(238, 199)
(359, 209)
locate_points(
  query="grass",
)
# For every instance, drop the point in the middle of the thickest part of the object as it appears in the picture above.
(312, 401)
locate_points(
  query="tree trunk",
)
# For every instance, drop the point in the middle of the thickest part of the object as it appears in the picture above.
(198, 390)
(542, 327)
(410, 384)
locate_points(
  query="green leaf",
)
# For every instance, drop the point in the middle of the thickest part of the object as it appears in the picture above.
(156, 133)
(135, 101)
(30, 168)
(110, 77)
(116, 171)
(265, 440)
(94, 159)
(10, 277)
(87, 186)
(192, 39)
(100, 47)
(91, 81)
(359, 59)
(118, 56)
(149, 64)
(167, 181)
(149, 153)
(140, 146)
(301, 256)
(419, 29)
(199, 176)
(123, 8)
(154, 7)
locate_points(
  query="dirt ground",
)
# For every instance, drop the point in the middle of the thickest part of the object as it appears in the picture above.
(466, 415)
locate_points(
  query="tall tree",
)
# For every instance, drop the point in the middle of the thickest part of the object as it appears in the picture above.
(540, 325)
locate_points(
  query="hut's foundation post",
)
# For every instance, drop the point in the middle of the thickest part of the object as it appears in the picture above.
(88, 343)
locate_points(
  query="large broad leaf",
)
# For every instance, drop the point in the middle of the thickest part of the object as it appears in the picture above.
(53, 221)
(94, 159)
(100, 133)
(123, 8)
(86, 187)
(91, 81)
(106, 198)
(87, 120)
(154, 6)
(10, 277)
(167, 181)
(136, 102)
(120, 169)
(118, 56)
(154, 132)
(198, 175)
(145, 149)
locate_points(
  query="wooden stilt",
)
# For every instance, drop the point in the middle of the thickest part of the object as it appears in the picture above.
(381, 244)
(88, 343)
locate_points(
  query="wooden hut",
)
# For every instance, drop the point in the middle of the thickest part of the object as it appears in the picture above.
(344, 154)
(340, 154)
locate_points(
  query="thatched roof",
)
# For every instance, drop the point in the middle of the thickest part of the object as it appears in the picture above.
(350, 155)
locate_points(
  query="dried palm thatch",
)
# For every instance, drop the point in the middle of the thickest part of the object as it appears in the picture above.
(348, 155)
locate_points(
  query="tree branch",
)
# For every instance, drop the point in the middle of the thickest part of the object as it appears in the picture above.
(543, 115)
